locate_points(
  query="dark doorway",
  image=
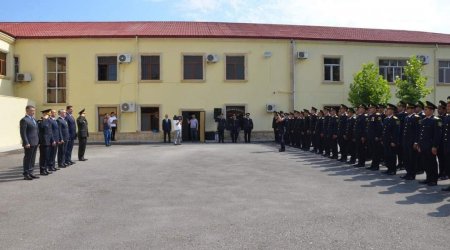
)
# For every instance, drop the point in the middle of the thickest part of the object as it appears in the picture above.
(150, 119)
(186, 130)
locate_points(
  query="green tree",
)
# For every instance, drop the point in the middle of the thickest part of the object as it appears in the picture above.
(412, 87)
(369, 87)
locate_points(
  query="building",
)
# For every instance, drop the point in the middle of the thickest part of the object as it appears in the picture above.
(144, 70)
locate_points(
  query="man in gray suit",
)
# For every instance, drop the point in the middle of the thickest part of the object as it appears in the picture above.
(30, 141)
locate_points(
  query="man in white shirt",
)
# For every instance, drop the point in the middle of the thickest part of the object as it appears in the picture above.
(113, 122)
(178, 125)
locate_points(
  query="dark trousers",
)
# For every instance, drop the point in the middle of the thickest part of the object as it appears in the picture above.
(326, 145)
(390, 157)
(44, 157)
(53, 152)
(166, 133)
(441, 161)
(113, 134)
(333, 147)
(29, 160)
(221, 133)
(69, 149)
(320, 143)
(447, 163)
(193, 134)
(307, 143)
(343, 147)
(376, 150)
(429, 163)
(82, 141)
(62, 148)
(361, 152)
(276, 135)
(282, 142)
(234, 135)
(351, 149)
(400, 157)
(410, 159)
(247, 135)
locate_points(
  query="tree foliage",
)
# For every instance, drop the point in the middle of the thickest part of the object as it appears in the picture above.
(369, 87)
(412, 87)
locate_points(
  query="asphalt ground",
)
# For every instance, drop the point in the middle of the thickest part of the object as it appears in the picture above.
(216, 196)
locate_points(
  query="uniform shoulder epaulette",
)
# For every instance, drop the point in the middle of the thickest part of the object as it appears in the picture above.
(437, 118)
(395, 117)
(377, 114)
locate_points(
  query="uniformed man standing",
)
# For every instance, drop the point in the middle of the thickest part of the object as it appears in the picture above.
(401, 114)
(446, 141)
(350, 141)
(333, 133)
(65, 137)
(46, 141)
(221, 126)
(390, 139)
(275, 127)
(360, 134)
(247, 125)
(428, 143)
(29, 133)
(326, 122)
(410, 133)
(306, 131)
(342, 128)
(281, 127)
(319, 133)
(83, 134)
(443, 174)
(312, 128)
(234, 127)
(374, 132)
(71, 123)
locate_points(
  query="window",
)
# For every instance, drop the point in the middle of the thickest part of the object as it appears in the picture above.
(444, 71)
(2, 64)
(101, 114)
(107, 68)
(332, 69)
(193, 67)
(391, 69)
(16, 67)
(235, 68)
(239, 111)
(150, 119)
(56, 80)
(150, 68)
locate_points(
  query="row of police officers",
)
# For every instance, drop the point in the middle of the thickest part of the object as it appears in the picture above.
(54, 136)
(405, 136)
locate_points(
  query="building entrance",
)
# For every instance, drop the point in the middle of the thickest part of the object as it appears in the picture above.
(186, 130)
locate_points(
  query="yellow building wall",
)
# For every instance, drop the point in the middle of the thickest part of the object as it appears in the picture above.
(268, 78)
(6, 82)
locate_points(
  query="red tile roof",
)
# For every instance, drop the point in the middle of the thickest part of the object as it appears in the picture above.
(38, 30)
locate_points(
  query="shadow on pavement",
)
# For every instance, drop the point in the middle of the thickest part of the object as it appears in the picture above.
(11, 174)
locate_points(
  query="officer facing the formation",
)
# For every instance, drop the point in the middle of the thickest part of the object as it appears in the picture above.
(29, 133)
(247, 125)
(360, 134)
(83, 134)
(391, 139)
(221, 126)
(65, 137)
(409, 137)
(446, 141)
(46, 141)
(428, 143)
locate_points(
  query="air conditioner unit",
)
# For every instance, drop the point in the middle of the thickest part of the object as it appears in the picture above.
(128, 107)
(302, 55)
(23, 77)
(124, 58)
(424, 59)
(271, 107)
(212, 58)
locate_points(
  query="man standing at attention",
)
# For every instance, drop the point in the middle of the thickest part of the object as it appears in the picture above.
(30, 140)
(113, 122)
(167, 127)
(72, 134)
(193, 125)
(57, 137)
(247, 124)
(83, 134)
(65, 137)
(178, 126)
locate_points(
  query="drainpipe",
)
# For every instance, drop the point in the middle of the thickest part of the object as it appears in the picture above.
(436, 73)
(293, 92)
(138, 127)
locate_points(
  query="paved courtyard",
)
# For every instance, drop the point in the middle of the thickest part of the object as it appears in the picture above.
(216, 196)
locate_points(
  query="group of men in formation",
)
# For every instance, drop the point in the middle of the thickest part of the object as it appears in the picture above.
(404, 136)
(54, 136)
(234, 125)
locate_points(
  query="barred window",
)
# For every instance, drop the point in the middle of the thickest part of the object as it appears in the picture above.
(107, 68)
(193, 67)
(235, 69)
(56, 80)
(150, 68)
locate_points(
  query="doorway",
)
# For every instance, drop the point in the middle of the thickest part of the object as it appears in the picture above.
(150, 119)
(101, 111)
(186, 131)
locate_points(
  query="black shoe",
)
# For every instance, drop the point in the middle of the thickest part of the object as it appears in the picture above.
(62, 166)
(447, 189)
(432, 184)
(374, 168)
(281, 150)
(404, 176)
(83, 159)
(27, 177)
(48, 172)
(392, 173)
(33, 176)
(44, 173)
(358, 165)
(410, 178)
(55, 169)
(443, 178)
(71, 162)
(423, 182)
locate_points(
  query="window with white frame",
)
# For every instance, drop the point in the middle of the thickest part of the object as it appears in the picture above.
(444, 71)
(332, 69)
(56, 79)
(390, 69)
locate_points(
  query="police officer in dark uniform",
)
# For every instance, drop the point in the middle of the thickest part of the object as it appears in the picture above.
(275, 127)
(333, 133)
(221, 126)
(319, 133)
(374, 133)
(446, 141)
(29, 133)
(410, 133)
(83, 134)
(247, 125)
(350, 142)
(326, 122)
(428, 143)
(401, 114)
(57, 137)
(312, 128)
(234, 127)
(46, 141)
(306, 131)
(390, 139)
(443, 174)
(72, 134)
(65, 137)
(360, 135)
(342, 129)
(281, 127)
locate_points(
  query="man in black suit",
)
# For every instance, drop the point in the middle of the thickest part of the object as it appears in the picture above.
(30, 141)
(72, 135)
(221, 126)
(65, 137)
(83, 134)
(46, 141)
(247, 125)
(167, 127)
(57, 137)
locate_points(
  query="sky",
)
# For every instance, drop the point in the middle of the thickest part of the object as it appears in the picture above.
(419, 15)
